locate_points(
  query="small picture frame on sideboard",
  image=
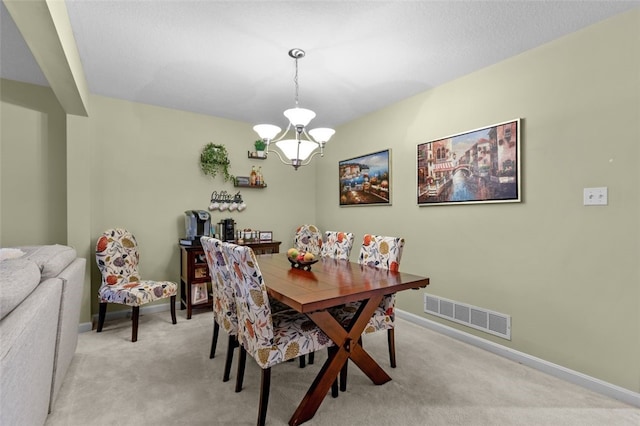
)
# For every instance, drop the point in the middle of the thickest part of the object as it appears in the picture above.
(199, 293)
(266, 236)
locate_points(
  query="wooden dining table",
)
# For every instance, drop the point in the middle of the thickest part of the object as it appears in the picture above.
(314, 292)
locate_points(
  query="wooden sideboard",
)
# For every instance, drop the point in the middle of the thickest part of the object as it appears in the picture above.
(194, 270)
(264, 247)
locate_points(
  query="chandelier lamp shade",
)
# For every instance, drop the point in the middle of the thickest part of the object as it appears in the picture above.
(301, 146)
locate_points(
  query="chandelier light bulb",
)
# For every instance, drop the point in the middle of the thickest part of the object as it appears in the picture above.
(294, 150)
(266, 131)
(299, 116)
(321, 134)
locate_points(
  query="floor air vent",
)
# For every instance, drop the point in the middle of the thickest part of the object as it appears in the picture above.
(472, 316)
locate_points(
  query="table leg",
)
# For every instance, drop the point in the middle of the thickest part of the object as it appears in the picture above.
(346, 341)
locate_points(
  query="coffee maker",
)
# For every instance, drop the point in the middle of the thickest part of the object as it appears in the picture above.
(227, 230)
(197, 224)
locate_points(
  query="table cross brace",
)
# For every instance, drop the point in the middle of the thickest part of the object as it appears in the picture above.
(346, 340)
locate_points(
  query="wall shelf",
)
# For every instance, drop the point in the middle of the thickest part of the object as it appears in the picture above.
(242, 185)
(255, 156)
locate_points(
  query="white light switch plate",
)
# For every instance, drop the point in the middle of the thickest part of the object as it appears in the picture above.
(595, 196)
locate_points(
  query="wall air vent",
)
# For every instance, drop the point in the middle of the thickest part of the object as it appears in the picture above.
(472, 316)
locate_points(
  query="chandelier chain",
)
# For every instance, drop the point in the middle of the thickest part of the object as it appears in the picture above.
(295, 80)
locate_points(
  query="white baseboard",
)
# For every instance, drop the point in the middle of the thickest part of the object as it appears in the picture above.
(84, 327)
(152, 309)
(575, 377)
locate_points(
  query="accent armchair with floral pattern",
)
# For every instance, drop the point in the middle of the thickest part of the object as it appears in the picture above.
(117, 258)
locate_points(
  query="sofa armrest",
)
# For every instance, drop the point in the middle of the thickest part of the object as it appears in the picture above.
(67, 338)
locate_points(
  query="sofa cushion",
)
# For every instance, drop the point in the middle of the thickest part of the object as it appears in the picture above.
(51, 259)
(18, 278)
(10, 253)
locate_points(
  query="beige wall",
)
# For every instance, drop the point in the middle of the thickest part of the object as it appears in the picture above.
(135, 166)
(145, 174)
(79, 209)
(567, 274)
(32, 166)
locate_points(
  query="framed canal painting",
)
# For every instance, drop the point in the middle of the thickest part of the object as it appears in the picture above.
(366, 180)
(478, 166)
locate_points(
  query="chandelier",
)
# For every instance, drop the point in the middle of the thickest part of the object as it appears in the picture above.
(301, 147)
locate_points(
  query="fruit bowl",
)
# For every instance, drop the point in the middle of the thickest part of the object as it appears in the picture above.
(301, 264)
(300, 259)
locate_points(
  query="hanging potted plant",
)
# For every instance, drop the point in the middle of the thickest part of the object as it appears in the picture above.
(260, 146)
(214, 159)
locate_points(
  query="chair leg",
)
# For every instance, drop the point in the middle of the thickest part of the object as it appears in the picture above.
(173, 309)
(311, 357)
(334, 387)
(392, 347)
(102, 313)
(343, 372)
(134, 327)
(242, 359)
(343, 377)
(231, 345)
(302, 361)
(214, 340)
(265, 384)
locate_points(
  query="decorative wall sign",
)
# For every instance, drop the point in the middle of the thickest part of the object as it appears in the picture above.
(479, 166)
(366, 180)
(266, 236)
(224, 201)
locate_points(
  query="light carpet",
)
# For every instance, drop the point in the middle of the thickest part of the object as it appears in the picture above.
(167, 378)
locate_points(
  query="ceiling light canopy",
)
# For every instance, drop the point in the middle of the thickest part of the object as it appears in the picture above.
(299, 149)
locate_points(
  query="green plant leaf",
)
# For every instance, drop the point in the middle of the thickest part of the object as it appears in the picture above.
(214, 159)
(260, 145)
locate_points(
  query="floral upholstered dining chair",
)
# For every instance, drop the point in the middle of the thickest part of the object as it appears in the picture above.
(270, 338)
(383, 253)
(337, 245)
(117, 258)
(224, 303)
(308, 238)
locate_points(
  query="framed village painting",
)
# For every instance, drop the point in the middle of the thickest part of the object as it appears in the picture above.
(478, 166)
(365, 180)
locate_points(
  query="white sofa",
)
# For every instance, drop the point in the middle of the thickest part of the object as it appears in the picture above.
(40, 297)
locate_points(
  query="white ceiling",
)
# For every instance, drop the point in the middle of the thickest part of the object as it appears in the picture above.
(229, 58)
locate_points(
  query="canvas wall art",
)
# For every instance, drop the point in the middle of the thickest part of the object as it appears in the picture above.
(365, 180)
(478, 166)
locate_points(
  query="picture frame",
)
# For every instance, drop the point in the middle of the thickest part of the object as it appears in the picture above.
(365, 180)
(265, 236)
(199, 293)
(477, 166)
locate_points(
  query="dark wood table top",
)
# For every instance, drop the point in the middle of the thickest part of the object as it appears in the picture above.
(330, 282)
